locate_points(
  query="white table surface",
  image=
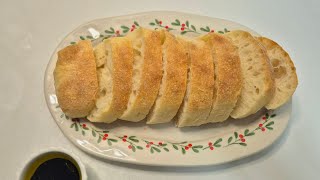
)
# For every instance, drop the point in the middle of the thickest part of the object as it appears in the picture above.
(30, 31)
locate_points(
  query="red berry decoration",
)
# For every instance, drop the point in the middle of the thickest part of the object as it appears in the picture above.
(117, 31)
(133, 26)
(104, 138)
(243, 140)
(211, 148)
(131, 29)
(130, 147)
(160, 22)
(186, 148)
(264, 118)
(160, 143)
(105, 135)
(167, 27)
(212, 30)
(151, 143)
(183, 25)
(190, 145)
(125, 136)
(147, 145)
(124, 140)
(260, 125)
(210, 143)
(182, 29)
(240, 136)
(263, 129)
(84, 125)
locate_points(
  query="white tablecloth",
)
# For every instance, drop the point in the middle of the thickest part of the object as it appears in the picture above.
(30, 30)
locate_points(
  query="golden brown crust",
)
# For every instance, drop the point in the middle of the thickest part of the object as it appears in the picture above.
(276, 52)
(228, 78)
(76, 80)
(196, 108)
(173, 85)
(150, 78)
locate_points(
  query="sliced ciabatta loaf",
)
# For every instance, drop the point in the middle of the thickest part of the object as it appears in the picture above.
(173, 83)
(147, 73)
(228, 77)
(76, 80)
(285, 76)
(115, 79)
(197, 102)
(258, 82)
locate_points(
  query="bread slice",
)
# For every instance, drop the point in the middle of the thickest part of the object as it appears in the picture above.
(228, 78)
(147, 73)
(115, 79)
(197, 102)
(76, 80)
(174, 81)
(258, 82)
(286, 80)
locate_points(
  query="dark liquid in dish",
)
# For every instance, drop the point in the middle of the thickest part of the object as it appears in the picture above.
(57, 168)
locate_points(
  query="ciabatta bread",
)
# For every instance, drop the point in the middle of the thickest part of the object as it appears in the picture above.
(76, 80)
(115, 79)
(174, 80)
(147, 73)
(258, 82)
(228, 77)
(197, 102)
(286, 80)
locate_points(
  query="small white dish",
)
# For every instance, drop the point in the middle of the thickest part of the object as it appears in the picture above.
(164, 144)
(45, 155)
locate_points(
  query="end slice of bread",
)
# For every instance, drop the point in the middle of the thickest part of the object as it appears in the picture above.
(286, 80)
(258, 82)
(115, 79)
(197, 102)
(228, 77)
(173, 83)
(147, 73)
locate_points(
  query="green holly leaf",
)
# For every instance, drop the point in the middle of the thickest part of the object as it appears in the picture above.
(235, 135)
(203, 29)
(243, 144)
(152, 24)
(164, 145)
(270, 128)
(139, 147)
(195, 150)
(89, 37)
(270, 124)
(217, 142)
(85, 128)
(183, 32)
(83, 133)
(175, 146)
(67, 117)
(187, 23)
(250, 134)
(99, 139)
(113, 140)
(76, 126)
(198, 146)
(72, 43)
(273, 115)
(157, 21)
(135, 140)
(226, 30)
(156, 149)
(133, 148)
(124, 27)
(136, 23)
(169, 29)
(183, 151)
(125, 31)
(217, 145)
(93, 133)
(267, 115)
(193, 28)
(101, 35)
(109, 142)
(177, 21)
(175, 24)
(105, 131)
(221, 32)
(166, 149)
(111, 31)
(72, 125)
(61, 116)
(230, 139)
(151, 150)
(82, 38)
(111, 28)
(246, 132)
